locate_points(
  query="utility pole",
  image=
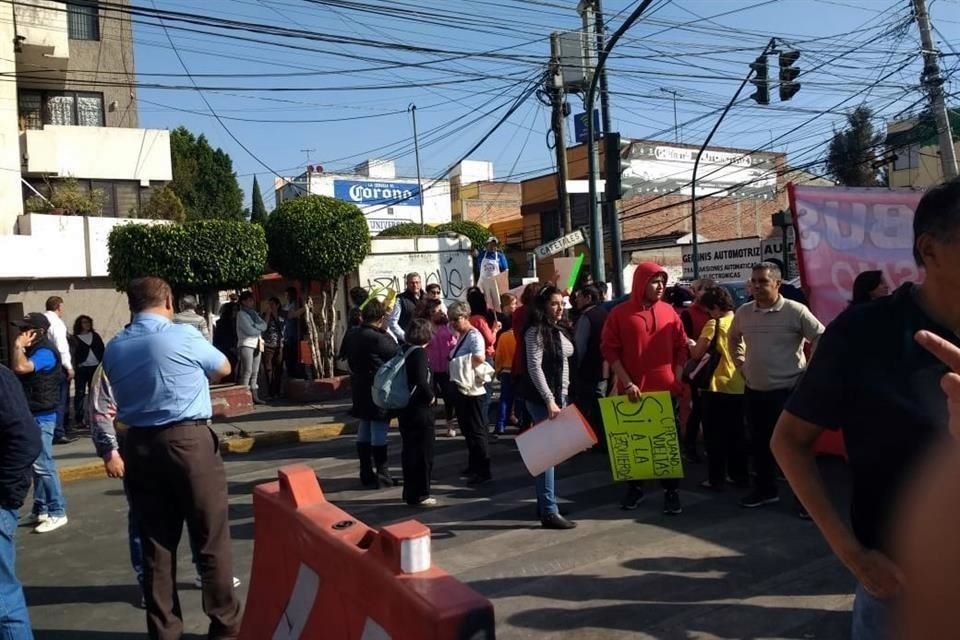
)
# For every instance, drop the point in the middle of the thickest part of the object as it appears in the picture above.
(676, 128)
(933, 81)
(610, 211)
(416, 152)
(558, 124)
(307, 151)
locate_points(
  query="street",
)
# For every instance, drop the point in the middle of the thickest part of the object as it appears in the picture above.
(717, 571)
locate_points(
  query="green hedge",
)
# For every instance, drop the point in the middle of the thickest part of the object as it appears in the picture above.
(204, 255)
(477, 233)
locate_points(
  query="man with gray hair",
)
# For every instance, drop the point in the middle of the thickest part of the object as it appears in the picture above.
(188, 315)
(402, 313)
(774, 331)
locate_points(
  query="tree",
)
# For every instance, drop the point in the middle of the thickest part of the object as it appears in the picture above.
(476, 232)
(203, 178)
(852, 156)
(164, 204)
(203, 256)
(258, 214)
(322, 239)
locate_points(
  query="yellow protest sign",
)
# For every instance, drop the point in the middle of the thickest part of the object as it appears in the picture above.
(642, 437)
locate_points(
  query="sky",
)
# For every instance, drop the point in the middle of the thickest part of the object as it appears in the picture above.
(333, 80)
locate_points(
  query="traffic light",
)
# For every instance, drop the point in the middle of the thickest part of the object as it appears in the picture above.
(788, 75)
(759, 68)
(614, 166)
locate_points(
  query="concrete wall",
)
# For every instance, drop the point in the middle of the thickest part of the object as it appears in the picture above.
(94, 297)
(52, 246)
(99, 153)
(113, 53)
(42, 25)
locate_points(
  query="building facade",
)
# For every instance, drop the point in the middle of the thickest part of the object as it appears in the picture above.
(385, 199)
(69, 121)
(913, 150)
(740, 192)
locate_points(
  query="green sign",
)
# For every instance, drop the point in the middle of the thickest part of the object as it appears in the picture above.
(642, 437)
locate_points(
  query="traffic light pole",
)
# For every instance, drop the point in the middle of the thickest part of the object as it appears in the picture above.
(609, 207)
(696, 165)
(596, 222)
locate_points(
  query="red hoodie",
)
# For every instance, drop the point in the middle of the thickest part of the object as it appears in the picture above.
(648, 339)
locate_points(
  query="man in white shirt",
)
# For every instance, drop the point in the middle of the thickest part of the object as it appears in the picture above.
(58, 335)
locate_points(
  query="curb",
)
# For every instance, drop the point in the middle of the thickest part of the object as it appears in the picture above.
(233, 446)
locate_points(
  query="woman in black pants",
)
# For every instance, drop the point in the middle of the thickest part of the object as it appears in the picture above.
(469, 405)
(723, 423)
(416, 419)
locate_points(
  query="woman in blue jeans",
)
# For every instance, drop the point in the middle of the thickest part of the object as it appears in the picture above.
(549, 350)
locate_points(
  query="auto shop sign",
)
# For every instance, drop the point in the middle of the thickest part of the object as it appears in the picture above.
(724, 260)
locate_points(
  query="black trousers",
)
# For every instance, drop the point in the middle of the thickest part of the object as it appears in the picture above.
(763, 409)
(671, 484)
(174, 475)
(724, 436)
(416, 459)
(694, 420)
(441, 389)
(474, 427)
(587, 400)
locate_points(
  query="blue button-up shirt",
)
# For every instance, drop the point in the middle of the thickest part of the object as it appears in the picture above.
(158, 371)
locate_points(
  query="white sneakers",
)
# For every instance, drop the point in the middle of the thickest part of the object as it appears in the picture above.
(198, 581)
(50, 523)
(33, 519)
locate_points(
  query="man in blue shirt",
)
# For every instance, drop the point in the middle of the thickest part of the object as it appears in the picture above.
(37, 363)
(159, 372)
(19, 447)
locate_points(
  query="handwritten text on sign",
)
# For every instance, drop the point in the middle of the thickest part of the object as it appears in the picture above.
(642, 437)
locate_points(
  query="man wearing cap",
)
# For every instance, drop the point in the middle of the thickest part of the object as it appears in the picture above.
(159, 373)
(37, 363)
(492, 261)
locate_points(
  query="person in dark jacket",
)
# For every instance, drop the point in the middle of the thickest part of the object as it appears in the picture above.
(590, 377)
(36, 361)
(549, 352)
(868, 286)
(86, 347)
(368, 348)
(416, 419)
(225, 333)
(20, 445)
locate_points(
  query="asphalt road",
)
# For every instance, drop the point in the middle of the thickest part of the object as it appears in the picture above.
(716, 571)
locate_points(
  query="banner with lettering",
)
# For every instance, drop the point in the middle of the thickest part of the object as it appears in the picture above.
(845, 231)
(642, 437)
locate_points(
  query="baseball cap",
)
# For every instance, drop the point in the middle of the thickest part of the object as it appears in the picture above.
(492, 239)
(33, 321)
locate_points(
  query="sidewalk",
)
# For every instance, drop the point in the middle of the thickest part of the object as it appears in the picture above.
(276, 423)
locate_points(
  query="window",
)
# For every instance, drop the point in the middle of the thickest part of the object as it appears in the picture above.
(550, 228)
(83, 20)
(907, 158)
(38, 108)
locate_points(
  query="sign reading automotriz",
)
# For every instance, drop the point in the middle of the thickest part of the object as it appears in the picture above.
(365, 193)
(724, 260)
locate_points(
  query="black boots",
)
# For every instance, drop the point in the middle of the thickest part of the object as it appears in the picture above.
(367, 477)
(383, 470)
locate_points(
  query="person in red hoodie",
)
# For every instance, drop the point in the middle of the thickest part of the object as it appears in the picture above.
(644, 342)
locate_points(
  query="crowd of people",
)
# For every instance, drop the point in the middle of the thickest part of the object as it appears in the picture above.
(884, 373)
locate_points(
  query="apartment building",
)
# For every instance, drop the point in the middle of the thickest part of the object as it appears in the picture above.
(68, 121)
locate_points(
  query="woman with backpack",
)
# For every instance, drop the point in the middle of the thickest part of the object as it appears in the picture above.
(416, 419)
(368, 348)
(724, 433)
(549, 352)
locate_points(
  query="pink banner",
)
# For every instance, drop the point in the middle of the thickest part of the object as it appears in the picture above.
(845, 231)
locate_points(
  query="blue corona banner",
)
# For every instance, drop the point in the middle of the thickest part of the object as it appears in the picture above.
(364, 193)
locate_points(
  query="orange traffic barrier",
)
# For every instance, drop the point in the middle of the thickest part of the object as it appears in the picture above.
(319, 574)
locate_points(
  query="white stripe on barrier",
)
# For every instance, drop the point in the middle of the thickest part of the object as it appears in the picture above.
(299, 605)
(415, 554)
(373, 631)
